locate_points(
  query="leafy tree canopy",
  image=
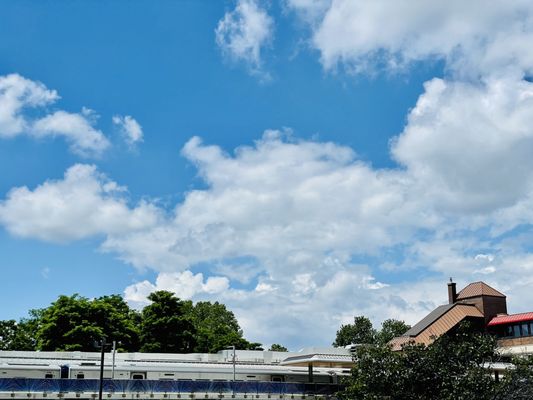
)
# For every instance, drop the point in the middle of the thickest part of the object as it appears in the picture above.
(362, 332)
(277, 347)
(77, 323)
(167, 326)
(453, 367)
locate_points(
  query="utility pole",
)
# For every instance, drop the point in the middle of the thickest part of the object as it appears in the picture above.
(113, 366)
(233, 348)
(101, 369)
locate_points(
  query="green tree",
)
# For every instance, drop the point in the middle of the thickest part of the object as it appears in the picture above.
(67, 325)
(217, 328)
(517, 384)
(453, 367)
(166, 325)
(117, 321)
(8, 331)
(277, 347)
(360, 332)
(390, 329)
(77, 323)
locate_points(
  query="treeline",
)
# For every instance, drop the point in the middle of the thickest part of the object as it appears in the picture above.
(166, 325)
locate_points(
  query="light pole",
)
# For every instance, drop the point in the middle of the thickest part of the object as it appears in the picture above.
(233, 349)
(113, 366)
(101, 369)
(233, 362)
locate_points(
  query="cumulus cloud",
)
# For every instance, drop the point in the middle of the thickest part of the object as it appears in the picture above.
(131, 130)
(281, 225)
(18, 94)
(243, 33)
(469, 146)
(186, 285)
(82, 204)
(283, 203)
(472, 37)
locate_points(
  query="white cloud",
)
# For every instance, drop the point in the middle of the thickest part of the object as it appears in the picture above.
(77, 129)
(284, 204)
(131, 130)
(243, 33)
(82, 204)
(473, 37)
(185, 285)
(469, 146)
(18, 94)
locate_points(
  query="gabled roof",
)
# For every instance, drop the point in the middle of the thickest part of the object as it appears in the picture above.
(437, 323)
(478, 289)
(509, 319)
(428, 320)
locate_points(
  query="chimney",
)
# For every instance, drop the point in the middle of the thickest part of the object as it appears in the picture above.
(452, 292)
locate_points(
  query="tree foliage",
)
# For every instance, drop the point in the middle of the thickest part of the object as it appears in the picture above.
(77, 323)
(453, 367)
(166, 325)
(278, 347)
(362, 332)
(216, 328)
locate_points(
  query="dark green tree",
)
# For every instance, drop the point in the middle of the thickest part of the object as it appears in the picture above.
(453, 367)
(360, 332)
(166, 325)
(217, 328)
(67, 324)
(277, 347)
(517, 383)
(8, 332)
(390, 329)
(77, 323)
(117, 321)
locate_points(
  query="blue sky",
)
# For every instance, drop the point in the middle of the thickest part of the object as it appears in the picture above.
(288, 158)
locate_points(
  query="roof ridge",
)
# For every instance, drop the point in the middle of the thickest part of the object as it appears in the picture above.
(478, 288)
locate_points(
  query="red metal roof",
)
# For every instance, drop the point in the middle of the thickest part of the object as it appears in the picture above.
(510, 319)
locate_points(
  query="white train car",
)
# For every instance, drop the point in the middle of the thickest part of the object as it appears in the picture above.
(30, 371)
(201, 371)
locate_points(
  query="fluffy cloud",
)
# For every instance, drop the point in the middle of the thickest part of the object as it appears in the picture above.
(18, 94)
(242, 34)
(131, 130)
(185, 284)
(82, 204)
(76, 128)
(469, 146)
(284, 203)
(472, 37)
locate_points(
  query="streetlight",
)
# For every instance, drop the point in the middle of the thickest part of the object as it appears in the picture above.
(101, 369)
(233, 349)
(233, 361)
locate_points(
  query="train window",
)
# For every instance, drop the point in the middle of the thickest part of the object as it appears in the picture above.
(48, 376)
(250, 376)
(80, 376)
(169, 374)
(277, 379)
(137, 376)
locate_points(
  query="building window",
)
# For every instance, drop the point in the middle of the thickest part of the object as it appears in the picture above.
(525, 329)
(516, 331)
